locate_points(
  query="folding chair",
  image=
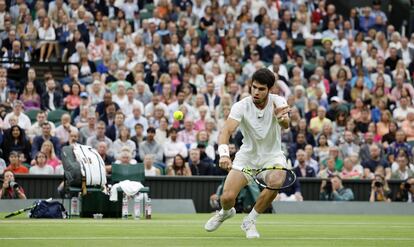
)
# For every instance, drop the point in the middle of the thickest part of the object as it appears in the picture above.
(136, 173)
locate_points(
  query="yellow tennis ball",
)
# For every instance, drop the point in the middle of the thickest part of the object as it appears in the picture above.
(178, 115)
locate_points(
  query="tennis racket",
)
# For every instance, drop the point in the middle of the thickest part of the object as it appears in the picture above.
(20, 211)
(263, 177)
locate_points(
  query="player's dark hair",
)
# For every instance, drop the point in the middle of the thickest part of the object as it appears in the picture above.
(264, 77)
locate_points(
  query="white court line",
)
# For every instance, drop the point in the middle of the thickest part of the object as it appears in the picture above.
(274, 225)
(208, 238)
(187, 222)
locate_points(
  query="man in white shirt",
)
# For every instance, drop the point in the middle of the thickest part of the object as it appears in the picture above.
(260, 117)
(380, 70)
(173, 146)
(400, 113)
(36, 128)
(135, 118)
(405, 52)
(65, 128)
(265, 40)
(155, 101)
(22, 119)
(180, 102)
(129, 104)
(198, 8)
(277, 63)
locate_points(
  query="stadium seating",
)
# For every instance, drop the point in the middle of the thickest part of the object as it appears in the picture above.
(32, 115)
(54, 116)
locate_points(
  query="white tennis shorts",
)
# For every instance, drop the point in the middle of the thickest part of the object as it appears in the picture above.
(240, 163)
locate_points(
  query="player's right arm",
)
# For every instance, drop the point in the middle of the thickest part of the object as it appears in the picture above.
(229, 127)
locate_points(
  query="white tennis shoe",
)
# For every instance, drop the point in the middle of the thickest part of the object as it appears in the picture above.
(249, 227)
(214, 222)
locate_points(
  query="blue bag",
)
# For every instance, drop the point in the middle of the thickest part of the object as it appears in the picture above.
(49, 210)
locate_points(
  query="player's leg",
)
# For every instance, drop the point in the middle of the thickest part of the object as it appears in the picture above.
(273, 179)
(235, 181)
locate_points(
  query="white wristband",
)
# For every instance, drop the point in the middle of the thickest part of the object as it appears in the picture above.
(223, 150)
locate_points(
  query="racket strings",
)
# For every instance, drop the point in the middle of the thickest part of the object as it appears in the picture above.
(269, 179)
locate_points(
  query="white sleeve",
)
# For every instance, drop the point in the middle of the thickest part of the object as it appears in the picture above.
(236, 111)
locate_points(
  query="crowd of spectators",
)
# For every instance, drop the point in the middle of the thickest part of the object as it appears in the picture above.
(348, 79)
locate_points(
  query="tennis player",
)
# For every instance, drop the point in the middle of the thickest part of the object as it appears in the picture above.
(260, 118)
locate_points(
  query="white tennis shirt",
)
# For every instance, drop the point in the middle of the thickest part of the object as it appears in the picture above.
(261, 131)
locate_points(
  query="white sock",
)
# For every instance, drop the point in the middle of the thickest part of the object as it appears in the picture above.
(253, 214)
(224, 212)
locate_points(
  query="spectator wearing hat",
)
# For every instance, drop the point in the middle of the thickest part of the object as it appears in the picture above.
(12, 96)
(335, 108)
(22, 119)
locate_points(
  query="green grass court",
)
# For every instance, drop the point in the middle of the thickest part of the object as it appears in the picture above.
(187, 230)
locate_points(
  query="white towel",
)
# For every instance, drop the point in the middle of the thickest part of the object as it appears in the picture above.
(130, 188)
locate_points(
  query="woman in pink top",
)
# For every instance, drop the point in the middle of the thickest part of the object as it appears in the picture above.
(349, 171)
(200, 124)
(73, 100)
